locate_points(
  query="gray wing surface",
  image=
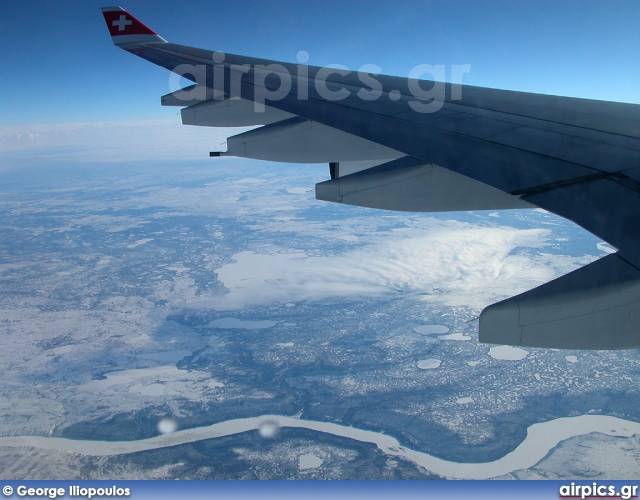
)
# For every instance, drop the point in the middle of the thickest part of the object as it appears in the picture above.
(473, 149)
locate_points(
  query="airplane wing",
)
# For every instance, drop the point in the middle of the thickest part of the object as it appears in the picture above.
(416, 145)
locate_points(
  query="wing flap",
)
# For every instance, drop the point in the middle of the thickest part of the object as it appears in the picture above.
(409, 185)
(594, 307)
(231, 113)
(191, 95)
(302, 141)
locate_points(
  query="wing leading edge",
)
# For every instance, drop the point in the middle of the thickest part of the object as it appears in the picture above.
(391, 144)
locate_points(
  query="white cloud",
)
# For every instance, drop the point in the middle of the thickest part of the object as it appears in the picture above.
(106, 142)
(456, 264)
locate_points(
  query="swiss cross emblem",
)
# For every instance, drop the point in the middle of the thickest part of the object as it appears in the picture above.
(122, 23)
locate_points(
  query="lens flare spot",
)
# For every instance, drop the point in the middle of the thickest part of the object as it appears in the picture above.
(167, 426)
(269, 429)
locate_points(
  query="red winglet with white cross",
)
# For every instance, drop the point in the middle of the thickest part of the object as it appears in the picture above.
(126, 29)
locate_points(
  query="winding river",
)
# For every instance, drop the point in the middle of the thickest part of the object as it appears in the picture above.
(541, 438)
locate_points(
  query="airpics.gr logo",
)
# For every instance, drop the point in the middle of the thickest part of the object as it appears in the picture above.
(596, 490)
(275, 82)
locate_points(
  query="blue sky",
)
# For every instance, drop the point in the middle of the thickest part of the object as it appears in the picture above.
(61, 67)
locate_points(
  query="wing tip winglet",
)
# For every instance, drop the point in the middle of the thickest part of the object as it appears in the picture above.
(126, 30)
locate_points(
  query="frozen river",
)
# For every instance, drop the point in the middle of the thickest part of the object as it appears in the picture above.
(541, 438)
